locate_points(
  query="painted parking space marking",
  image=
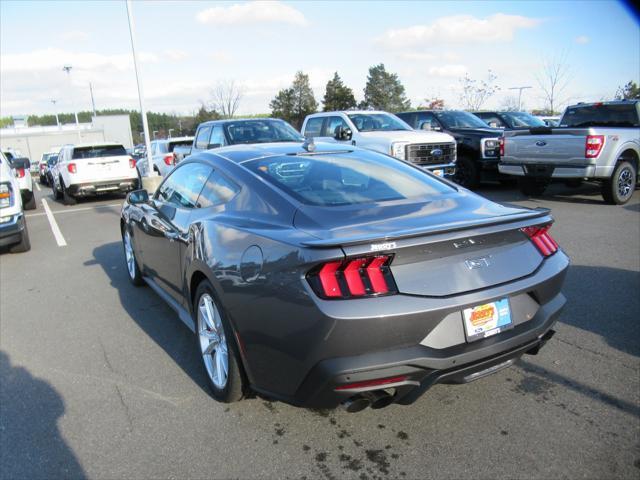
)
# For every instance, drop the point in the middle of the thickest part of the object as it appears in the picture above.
(54, 225)
(72, 210)
(37, 186)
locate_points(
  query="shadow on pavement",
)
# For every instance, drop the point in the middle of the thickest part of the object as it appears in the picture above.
(151, 313)
(605, 301)
(31, 445)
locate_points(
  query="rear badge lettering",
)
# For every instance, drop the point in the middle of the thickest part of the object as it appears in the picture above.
(474, 263)
(464, 243)
(377, 247)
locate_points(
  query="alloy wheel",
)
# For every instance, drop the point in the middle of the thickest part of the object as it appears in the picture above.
(128, 252)
(625, 182)
(213, 343)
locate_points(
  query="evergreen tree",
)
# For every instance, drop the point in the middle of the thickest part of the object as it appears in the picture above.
(630, 91)
(337, 95)
(384, 91)
(294, 103)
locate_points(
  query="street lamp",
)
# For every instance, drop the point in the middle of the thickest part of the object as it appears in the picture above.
(519, 94)
(56, 112)
(170, 130)
(67, 68)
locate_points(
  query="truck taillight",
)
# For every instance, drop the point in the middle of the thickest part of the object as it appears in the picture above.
(71, 168)
(5, 195)
(132, 163)
(20, 172)
(169, 159)
(593, 146)
(542, 239)
(353, 278)
(501, 146)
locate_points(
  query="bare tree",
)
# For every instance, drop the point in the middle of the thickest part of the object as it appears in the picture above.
(553, 80)
(476, 92)
(226, 97)
(511, 104)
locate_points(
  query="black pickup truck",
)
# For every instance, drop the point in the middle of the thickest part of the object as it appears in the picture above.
(478, 143)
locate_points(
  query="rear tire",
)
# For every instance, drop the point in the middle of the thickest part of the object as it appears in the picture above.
(25, 244)
(618, 189)
(533, 187)
(57, 194)
(31, 203)
(216, 344)
(467, 173)
(67, 199)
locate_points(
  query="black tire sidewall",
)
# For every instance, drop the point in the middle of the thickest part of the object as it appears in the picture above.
(471, 179)
(233, 390)
(610, 187)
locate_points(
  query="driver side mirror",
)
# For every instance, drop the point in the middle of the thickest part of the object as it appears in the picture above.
(20, 162)
(342, 133)
(138, 197)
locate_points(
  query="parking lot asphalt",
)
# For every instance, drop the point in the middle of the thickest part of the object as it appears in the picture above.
(100, 379)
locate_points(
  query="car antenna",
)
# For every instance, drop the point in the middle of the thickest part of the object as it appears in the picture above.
(308, 144)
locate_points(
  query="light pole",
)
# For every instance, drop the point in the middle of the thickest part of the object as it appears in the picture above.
(67, 68)
(154, 134)
(56, 112)
(170, 130)
(519, 94)
(143, 112)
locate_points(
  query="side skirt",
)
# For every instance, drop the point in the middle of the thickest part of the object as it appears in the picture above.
(182, 313)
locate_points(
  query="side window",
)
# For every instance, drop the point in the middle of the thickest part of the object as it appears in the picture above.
(313, 128)
(217, 190)
(182, 187)
(217, 136)
(425, 120)
(331, 125)
(494, 119)
(202, 139)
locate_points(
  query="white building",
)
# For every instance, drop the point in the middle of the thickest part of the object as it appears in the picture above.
(32, 142)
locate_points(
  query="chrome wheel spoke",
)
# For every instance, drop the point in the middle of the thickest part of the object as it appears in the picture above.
(213, 343)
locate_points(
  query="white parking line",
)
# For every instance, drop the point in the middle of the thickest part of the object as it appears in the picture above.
(54, 225)
(71, 210)
(37, 186)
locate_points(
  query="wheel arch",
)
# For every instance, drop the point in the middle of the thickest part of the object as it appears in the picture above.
(631, 155)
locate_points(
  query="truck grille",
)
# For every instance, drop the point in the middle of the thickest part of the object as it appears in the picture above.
(430, 153)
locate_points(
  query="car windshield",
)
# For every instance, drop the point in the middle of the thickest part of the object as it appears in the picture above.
(377, 122)
(458, 119)
(98, 151)
(523, 120)
(261, 131)
(335, 179)
(52, 160)
(601, 115)
(181, 143)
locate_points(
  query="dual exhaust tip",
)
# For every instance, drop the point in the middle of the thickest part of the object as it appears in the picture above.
(375, 399)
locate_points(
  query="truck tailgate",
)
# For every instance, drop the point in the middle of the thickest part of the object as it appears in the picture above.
(561, 146)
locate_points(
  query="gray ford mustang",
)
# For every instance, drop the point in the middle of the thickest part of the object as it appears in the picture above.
(325, 277)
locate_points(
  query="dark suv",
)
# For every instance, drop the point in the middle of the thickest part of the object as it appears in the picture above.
(478, 143)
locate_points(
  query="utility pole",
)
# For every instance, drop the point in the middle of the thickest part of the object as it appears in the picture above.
(56, 112)
(170, 130)
(93, 103)
(143, 112)
(67, 68)
(519, 95)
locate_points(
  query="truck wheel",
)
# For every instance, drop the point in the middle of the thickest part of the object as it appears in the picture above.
(532, 186)
(25, 244)
(31, 203)
(66, 198)
(467, 173)
(618, 189)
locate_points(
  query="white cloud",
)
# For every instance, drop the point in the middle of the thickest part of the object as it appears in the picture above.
(417, 56)
(74, 36)
(582, 39)
(459, 29)
(448, 71)
(175, 54)
(267, 11)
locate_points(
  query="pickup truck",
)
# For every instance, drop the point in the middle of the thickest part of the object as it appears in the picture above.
(386, 133)
(595, 141)
(477, 143)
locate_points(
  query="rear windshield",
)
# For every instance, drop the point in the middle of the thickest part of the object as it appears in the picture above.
(98, 151)
(182, 143)
(347, 178)
(619, 115)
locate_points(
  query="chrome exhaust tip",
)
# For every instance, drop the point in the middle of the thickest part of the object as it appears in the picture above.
(356, 404)
(379, 399)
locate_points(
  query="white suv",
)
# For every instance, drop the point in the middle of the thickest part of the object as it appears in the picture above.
(386, 133)
(22, 170)
(90, 169)
(13, 226)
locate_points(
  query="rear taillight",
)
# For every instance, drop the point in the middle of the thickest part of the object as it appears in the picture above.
(501, 146)
(71, 168)
(593, 146)
(20, 172)
(353, 278)
(5, 195)
(542, 239)
(169, 159)
(132, 163)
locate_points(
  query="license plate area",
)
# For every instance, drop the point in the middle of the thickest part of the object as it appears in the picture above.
(486, 320)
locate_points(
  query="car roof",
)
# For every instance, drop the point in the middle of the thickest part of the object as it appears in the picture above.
(610, 102)
(94, 144)
(172, 139)
(346, 112)
(230, 120)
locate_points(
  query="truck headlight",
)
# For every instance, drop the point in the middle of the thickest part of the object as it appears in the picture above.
(398, 150)
(491, 144)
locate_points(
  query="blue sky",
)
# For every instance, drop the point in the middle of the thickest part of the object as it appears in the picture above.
(186, 48)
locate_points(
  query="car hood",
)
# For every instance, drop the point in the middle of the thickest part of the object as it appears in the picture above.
(479, 132)
(413, 136)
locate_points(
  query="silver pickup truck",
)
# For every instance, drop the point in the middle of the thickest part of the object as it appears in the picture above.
(595, 141)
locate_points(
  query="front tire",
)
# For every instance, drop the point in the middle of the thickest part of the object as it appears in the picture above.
(135, 275)
(618, 189)
(533, 187)
(217, 347)
(467, 173)
(25, 244)
(30, 204)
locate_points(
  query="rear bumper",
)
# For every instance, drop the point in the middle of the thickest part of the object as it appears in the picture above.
(94, 188)
(11, 231)
(555, 170)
